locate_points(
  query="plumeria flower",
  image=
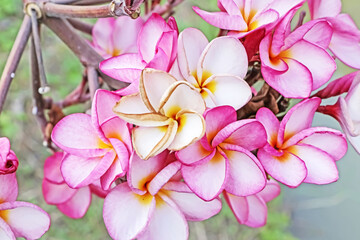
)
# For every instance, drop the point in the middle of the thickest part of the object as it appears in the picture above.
(296, 63)
(216, 71)
(8, 159)
(346, 110)
(154, 203)
(222, 160)
(72, 202)
(346, 35)
(97, 146)
(242, 17)
(114, 36)
(157, 46)
(168, 114)
(297, 152)
(19, 219)
(252, 210)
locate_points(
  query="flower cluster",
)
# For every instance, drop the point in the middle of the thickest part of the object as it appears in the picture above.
(202, 120)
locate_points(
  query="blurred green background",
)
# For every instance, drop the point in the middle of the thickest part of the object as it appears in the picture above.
(64, 73)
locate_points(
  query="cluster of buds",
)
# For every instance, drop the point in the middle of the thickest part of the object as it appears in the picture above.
(201, 119)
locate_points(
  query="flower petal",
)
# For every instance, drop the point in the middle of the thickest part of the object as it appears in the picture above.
(194, 153)
(257, 212)
(76, 135)
(238, 205)
(163, 177)
(322, 8)
(125, 26)
(8, 187)
(321, 167)
(270, 122)
(26, 219)
(77, 206)
(271, 191)
(52, 165)
(206, 179)
(5, 231)
(56, 193)
(126, 213)
(287, 169)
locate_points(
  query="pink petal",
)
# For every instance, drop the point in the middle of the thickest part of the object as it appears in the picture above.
(230, 6)
(163, 177)
(238, 205)
(296, 82)
(287, 169)
(324, 8)
(270, 122)
(125, 26)
(26, 219)
(167, 222)
(297, 119)
(126, 213)
(191, 44)
(77, 206)
(245, 174)
(102, 33)
(8, 188)
(218, 60)
(126, 67)
(117, 130)
(5, 231)
(249, 134)
(321, 167)
(206, 179)
(52, 171)
(322, 138)
(75, 135)
(115, 171)
(4, 148)
(217, 118)
(269, 47)
(321, 73)
(257, 212)
(271, 191)
(56, 193)
(142, 172)
(189, 204)
(222, 20)
(79, 172)
(194, 153)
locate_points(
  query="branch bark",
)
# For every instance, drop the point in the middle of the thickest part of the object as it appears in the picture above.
(81, 26)
(14, 59)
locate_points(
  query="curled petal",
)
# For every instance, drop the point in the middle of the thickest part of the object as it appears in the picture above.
(270, 122)
(163, 177)
(77, 206)
(8, 187)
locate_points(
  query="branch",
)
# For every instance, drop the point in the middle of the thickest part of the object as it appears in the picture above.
(81, 26)
(87, 55)
(93, 82)
(14, 59)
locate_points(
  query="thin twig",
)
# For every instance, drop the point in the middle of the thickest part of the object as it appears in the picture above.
(14, 59)
(301, 19)
(167, 7)
(93, 81)
(91, 2)
(44, 88)
(81, 26)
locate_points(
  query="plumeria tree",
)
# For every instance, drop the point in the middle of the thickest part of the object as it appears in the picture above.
(180, 124)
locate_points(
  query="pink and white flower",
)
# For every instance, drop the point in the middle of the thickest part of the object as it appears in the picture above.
(242, 17)
(297, 152)
(157, 46)
(296, 63)
(222, 159)
(252, 210)
(154, 204)
(217, 72)
(72, 202)
(114, 36)
(168, 114)
(19, 219)
(8, 159)
(96, 146)
(345, 41)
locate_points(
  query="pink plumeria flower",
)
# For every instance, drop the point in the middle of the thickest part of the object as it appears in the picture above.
(114, 36)
(97, 146)
(296, 63)
(19, 219)
(297, 152)
(242, 17)
(252, 210)
(346, 110)
(217, 72)
(154, 204)
(157, 46)
(72, 202)
(168, 114)
(346, 35)
(8, 159)
(222, 160)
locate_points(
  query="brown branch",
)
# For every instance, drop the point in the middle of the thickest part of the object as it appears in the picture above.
(91, 2)
(114, 8)
(81, 26)
(86, 54)
(93, 81)
(167, 7)
(14, 59)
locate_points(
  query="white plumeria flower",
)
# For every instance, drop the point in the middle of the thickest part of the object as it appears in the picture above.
(168, 114)
(215, 69)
